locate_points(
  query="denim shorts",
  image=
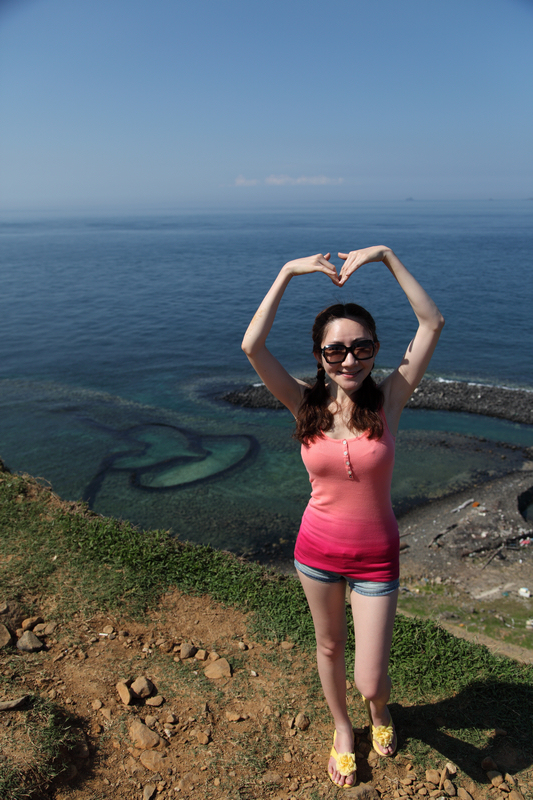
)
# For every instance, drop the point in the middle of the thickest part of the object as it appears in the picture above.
(368, 588)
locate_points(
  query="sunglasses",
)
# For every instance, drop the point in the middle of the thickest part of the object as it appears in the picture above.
(361, 350)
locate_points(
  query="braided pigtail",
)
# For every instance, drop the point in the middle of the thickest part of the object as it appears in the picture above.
(314, 415)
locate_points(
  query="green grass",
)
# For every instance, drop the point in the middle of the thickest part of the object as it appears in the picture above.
(503, 618)
(447, 694)
(47, 737)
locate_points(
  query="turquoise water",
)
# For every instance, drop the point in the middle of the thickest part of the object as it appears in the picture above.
(99, 397)
(217, 474)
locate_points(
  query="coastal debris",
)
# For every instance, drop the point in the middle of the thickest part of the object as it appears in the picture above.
(442, 533)
(463, 505)
(524, 592)
(493, 555)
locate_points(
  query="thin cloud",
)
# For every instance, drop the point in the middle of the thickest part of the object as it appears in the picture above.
(310, 180)
(287, 180)
(240, 180)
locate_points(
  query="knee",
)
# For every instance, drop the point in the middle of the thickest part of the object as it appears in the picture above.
(374, 687)
(331, 648)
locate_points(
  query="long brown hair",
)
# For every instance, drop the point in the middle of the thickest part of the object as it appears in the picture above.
(314, 415)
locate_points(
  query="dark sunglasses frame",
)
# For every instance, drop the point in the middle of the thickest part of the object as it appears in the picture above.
(360, 343)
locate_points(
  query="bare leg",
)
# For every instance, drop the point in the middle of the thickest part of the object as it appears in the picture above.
(327, 603)
(373, 622)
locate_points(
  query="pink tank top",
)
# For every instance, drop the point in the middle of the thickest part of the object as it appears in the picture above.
(349, 526)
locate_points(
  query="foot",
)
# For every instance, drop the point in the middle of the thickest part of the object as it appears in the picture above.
(341, 767)
(382, 731)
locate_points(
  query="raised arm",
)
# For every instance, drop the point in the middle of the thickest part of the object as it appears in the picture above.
(399, 386)
(287, 389)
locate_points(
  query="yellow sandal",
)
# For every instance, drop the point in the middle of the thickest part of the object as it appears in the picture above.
(381, 735)
(345, 765)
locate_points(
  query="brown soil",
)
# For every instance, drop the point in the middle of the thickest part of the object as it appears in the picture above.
(227, 737)
(236, 737)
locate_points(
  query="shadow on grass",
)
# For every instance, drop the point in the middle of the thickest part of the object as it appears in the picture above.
(486, 718)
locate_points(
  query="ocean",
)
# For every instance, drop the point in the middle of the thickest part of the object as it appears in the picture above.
(119, 333)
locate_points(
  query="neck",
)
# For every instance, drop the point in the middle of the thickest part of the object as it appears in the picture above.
(342, 398)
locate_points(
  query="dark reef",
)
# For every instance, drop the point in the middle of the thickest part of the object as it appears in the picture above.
(492, 401)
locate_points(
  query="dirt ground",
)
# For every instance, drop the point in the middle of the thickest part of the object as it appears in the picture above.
(261, 732)
(260, 729)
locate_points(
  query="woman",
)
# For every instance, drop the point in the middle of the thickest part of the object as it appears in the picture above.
(347, 425)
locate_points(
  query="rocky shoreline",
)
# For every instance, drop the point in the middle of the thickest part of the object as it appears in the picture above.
(515, 405)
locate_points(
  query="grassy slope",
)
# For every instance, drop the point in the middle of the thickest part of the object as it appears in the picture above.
(53, 549)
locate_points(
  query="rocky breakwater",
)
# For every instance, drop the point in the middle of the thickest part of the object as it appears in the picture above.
(492, 401)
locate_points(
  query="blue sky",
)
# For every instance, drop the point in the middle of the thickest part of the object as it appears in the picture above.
(163, 103)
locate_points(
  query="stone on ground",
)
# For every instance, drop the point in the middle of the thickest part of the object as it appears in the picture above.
(143, 737)
(124, 693)
(142, 687)
(5, 636)
(29, 643)
(218, 669)
(153, 760)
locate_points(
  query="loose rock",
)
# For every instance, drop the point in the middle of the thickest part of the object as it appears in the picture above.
(433, 776)
(187, 650)
(10, 705)
(29, 643)
(186, 783)
(496, 778)
(142, 687)
(143, 737)
(218, 669)
(302, 722)
(29, 623)
(272, 777)
(124, 693)
(364, 791)
(149, 791)
(156, 701)
(5, 636)
(153, 760)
